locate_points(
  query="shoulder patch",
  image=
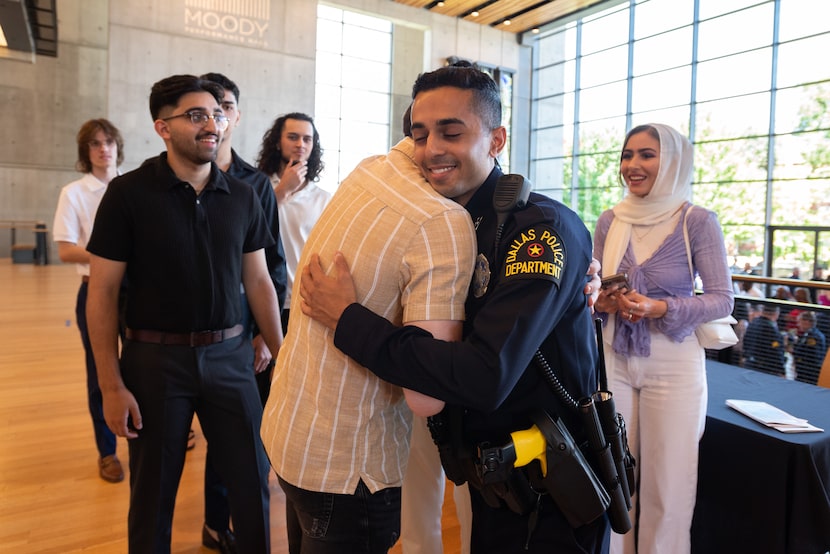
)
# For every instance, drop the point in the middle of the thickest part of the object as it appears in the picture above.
(535, 253)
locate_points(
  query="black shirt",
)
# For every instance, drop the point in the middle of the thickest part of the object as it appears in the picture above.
(533, 300)
(183, 251)
(275, 254)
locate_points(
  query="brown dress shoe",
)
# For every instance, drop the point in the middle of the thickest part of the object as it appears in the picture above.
(109, 468)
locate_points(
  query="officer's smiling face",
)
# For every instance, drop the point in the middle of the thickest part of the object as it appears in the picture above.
(453, 148)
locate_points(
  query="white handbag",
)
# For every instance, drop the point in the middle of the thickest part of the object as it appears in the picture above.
(718, 333)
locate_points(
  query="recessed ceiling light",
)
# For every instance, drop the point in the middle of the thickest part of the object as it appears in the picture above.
(474, 14)
(507, 22)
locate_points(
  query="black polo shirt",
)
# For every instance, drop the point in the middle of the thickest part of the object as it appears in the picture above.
(183, 251)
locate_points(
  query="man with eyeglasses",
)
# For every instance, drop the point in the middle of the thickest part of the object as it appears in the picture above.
(100, 152)
(186, 235)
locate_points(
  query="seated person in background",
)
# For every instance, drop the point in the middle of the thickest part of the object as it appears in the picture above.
(763, 344)
(809, 349)
(750, 313)
(748, 288)
(791, 318)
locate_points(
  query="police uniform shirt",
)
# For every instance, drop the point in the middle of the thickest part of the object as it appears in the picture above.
(764, 347)
(527, 296)
(808, 352)
(183, 251)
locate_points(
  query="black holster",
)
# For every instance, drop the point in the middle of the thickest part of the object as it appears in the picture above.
(569, 480)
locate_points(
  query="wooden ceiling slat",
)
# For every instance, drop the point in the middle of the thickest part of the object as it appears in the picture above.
(499, 10)
(545, 14)
(457, 7)
(415, 3)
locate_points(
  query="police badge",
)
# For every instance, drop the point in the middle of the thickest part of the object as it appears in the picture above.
(481, 276)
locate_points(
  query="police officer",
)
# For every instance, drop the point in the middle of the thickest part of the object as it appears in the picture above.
(809, 349)
(526, 297)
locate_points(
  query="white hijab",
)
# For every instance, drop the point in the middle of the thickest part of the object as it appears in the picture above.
(672, 188)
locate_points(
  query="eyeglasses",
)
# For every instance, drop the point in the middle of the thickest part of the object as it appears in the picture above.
(201, 119)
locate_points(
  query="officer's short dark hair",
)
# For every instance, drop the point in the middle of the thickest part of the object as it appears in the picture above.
(486, 98)
(169, 90)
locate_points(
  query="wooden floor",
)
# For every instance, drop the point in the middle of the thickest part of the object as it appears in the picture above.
(51, 498)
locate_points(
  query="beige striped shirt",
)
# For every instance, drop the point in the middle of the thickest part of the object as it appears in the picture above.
(329, 422)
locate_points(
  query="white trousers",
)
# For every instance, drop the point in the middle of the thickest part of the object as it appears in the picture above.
(422, 497)
(663, 400)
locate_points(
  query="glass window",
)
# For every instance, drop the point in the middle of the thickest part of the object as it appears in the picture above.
(805, 197)
(352, 96)
(370, 45)
(546, 176)
(661, 90)
(605, 32)
(551, 142)
(604, 67)
(740, 74)
(720, 36)
(712, 8)
(735, 202)
(329, 68)
(329, 36)
(556, 47)
(663, 51)
(804, 61)
(554, 110)
(367, 22)
(555, 79)
(676, 117)
(802, 108)
(655, 16)
(365, 106)
(738, 168)
(604, 136)
(732, 160)
(803, 155)
(733, 117)
(601, 102)
(366, 75)
(802, 18)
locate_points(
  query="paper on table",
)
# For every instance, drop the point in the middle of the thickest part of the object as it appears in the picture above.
(772, 417)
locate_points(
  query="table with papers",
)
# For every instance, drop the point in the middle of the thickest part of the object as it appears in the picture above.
(761, 489)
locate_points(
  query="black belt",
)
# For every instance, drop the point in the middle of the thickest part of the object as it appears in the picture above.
(196, 338)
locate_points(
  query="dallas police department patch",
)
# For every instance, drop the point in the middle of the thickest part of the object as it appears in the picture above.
(535, 253)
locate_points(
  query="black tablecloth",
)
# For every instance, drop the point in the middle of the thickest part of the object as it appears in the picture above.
(759, 490)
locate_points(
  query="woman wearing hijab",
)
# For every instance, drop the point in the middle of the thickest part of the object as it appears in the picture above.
(656, 367)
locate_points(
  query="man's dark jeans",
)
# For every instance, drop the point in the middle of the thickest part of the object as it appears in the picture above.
(324, 523)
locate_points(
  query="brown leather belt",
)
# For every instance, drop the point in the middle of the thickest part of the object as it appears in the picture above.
(85, 278)
(196, 338)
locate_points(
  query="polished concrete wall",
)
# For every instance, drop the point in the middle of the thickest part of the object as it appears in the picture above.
(111, 52)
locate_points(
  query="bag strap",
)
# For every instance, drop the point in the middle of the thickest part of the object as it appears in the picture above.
(688, 248)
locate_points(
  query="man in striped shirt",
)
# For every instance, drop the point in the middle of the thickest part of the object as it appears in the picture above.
(337, 435)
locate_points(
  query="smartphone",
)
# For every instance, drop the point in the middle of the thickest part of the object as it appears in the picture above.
(616, 282)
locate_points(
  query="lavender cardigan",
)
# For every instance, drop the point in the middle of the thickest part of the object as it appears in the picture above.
(665, 276)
